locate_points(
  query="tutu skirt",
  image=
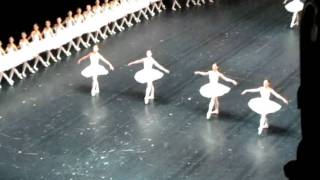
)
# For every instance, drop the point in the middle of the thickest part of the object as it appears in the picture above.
(263, 106)
(144, 76)
(213, 90)
(294, 6)
(94, 70)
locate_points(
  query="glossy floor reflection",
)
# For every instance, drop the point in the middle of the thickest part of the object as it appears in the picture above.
(51, 128)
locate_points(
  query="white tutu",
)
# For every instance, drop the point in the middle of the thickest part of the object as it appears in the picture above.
(94, 70)
(294, 6)
(263, 106)
(144, 76)
(213, 90)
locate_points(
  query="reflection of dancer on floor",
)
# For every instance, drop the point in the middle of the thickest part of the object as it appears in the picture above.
(294, 7)
(148, 74)
(214, 89)
(95, 69)
(263, 105)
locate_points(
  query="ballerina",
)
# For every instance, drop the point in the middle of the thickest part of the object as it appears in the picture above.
(148, 74)
(263, 105)
(13, 53)
(214, 89)
(3, 74)
(38, 46)
(28, 53)
(295, 7)
(95, 69)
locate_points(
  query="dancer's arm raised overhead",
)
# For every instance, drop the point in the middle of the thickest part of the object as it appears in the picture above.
(160, 67)
(83, 58)
(227, 79)
(285, 1)
(278, 96)
(251, 90)
(106, 61)
(136, 62)
(201, 73)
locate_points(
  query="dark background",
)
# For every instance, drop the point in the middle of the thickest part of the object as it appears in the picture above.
(19, 16)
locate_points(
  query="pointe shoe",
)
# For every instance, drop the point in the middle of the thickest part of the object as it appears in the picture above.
(151, 97)
(11, 82)
(20, 76)
(78, 49)
(55, 60)
(260, 130)
(93, 93)
(174, 9)
(32, 71)
(35, 68)
(146, 100)
(68, 53)
(208, 115)
(24, 75)
(187, 5)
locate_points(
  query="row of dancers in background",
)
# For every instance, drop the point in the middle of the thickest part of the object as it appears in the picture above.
(72, 32)
(176, 3)
(295, 7)
(212, 90)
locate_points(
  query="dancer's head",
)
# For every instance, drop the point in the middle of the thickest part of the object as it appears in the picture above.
(79, 11)
(95, 48)
(215, 67)
(35, 27)
(266, 83)
(23, 35)
(69, 13)
(48, 23)
(11, 39)
(59, 20)
(97, 2)
(149, 53)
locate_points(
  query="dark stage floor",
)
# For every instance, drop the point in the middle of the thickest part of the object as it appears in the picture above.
(51, 127)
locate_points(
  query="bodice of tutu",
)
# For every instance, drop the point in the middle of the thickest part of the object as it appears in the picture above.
(10, 50)
(265, 93)
(213, 77)
(148, 63)
(47, 33)
(94, 59)
(23, 43)
(36, 37)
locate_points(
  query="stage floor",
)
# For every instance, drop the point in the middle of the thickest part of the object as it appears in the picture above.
(51, 127)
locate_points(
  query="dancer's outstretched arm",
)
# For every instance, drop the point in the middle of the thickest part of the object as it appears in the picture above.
(201, 73)
(250, 90)
(228, 79)
(285, 1)
(136, 62)
(83, 58)
(160, 67)
(278, 96)
(106, 61)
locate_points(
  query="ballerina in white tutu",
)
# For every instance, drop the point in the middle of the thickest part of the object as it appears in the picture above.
(214, 89)
(263, 105)
(95, 69)
(3, 74)
(294, 7)
(148, 74)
